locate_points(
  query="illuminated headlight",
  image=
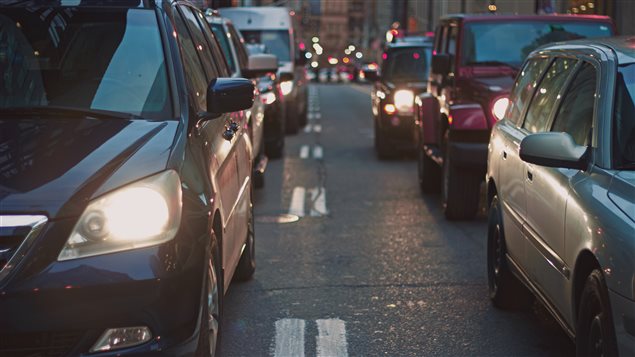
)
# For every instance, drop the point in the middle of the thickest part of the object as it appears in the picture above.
(268, 98)
(141, 214)
(286, 87)
(404, 100)
(500, 107)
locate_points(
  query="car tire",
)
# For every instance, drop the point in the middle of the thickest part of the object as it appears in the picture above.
(505, 290)
(595, 332)
(210, 323)
(247, 263)
(384, 151)
(429, 173)
(461, 191)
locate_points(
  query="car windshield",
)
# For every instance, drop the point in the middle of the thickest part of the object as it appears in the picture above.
(509, 43)
(625, 117)
(83, 59)
(277, 41)
(407, 64)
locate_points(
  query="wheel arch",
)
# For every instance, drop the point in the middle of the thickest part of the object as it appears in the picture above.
(584, 265)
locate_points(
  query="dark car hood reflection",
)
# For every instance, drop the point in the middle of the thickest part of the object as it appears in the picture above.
(54, 166)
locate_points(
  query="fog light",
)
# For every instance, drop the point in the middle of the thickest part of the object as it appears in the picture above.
(116, 338)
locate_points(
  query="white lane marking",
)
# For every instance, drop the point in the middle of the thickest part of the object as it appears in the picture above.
(304, 152)
(297, 202)
(289, 338)
(317, 152)
(331, 339)
(314, 116)
(317, 128)
(318, 197)
(308, 128)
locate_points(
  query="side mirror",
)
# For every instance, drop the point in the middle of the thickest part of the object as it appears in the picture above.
(286, 76)
(260, 64)
(371, 75)
(553, 150)
(226, 95)
(441, 64)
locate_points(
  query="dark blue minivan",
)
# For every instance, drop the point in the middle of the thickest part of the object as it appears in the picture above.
(125, 187)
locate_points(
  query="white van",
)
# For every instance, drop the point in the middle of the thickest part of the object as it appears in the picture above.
(273, 27)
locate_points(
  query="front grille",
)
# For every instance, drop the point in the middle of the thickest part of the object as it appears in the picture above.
(38, 344)
(16, 236)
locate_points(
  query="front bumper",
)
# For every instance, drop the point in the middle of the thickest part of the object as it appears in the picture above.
(624, 321)
(61, 308)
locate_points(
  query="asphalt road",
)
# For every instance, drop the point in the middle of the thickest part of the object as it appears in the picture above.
(371, 268)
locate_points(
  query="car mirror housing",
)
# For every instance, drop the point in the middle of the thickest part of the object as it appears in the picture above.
(261, 64)
(226, 95)
(553, 150)
(441, 63)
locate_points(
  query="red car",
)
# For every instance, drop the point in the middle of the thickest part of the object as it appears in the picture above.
(475, 61)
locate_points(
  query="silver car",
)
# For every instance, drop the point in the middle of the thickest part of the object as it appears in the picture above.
(561, 189)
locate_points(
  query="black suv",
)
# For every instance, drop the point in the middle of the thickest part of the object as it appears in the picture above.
(125, 188)
(403, 75)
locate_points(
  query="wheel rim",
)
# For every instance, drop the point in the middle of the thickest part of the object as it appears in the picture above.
(596, 340)
(212, 307)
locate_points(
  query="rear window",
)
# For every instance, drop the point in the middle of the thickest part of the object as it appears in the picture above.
(407, 64)
(509, 43)
(277, 41)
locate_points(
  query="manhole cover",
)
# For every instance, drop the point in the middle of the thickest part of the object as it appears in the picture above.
(280, 218)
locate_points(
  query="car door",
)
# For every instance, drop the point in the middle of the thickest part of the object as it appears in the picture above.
(549, 191)
(241, 209)
(511, 169)
(542, 190)
(220, 153)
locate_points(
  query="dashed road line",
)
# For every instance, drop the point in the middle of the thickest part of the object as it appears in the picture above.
(289, 338)
(331, 339)
(317, 152)
(318, 198)
(304, 152)
(297, 202)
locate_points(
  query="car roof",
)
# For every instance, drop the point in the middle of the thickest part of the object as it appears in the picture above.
(258, 17)
(409, 44)
(515, 17)
(622, 46)
(83, 3)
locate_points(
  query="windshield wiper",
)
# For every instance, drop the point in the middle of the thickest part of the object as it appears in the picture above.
(65, 111)
(492, 63)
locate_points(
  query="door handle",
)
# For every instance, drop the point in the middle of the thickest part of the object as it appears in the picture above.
(504, 155)
(530, 176)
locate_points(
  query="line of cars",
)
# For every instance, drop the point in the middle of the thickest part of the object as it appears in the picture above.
(128, 144)
(550, 126)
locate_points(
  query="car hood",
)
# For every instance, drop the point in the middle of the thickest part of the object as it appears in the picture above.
(55, 166)
(622, 192)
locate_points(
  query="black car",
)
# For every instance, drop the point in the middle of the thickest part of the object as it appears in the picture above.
(125, 189)
(403, 75)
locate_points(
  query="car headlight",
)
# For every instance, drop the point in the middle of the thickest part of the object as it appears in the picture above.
(404, 100)
(499, 108)
(141, 214)
(286, 87)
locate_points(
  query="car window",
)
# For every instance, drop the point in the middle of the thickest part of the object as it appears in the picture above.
(546, 94)
(194, 73)
(575, 115)
(201, 45)
(524, 86)
(212, 41)
(625, 117)
(239, 44)
(437, 39)
(223, 40)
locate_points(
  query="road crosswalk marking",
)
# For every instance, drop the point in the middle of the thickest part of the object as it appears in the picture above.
(297, 202)
(317, 152)
(304, 152)
(314, 116)
(318, 197)
(330, 341)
